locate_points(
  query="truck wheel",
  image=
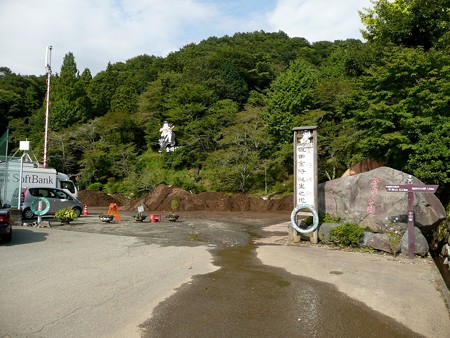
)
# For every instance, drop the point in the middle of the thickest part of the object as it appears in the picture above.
(28, 214)
(78, 211)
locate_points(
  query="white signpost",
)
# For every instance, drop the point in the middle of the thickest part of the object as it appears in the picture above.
(305, 171)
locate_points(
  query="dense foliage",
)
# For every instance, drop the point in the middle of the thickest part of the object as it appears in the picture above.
(234, 101)
(347, 234)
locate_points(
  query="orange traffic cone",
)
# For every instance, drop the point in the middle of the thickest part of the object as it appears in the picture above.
(85, 213)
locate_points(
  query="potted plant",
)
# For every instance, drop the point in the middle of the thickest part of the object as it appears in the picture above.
(106, 218)
(174, 204)
(140, 217)
(66, 215)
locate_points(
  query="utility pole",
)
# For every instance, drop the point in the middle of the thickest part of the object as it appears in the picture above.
(48, 67)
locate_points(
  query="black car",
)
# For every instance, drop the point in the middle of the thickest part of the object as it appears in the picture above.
(5, 226)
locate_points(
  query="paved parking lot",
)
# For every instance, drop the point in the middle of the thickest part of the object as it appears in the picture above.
(57, 283)
(104, 279)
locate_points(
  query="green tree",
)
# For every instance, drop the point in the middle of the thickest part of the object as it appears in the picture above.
(152, 110)
(187, 107)
(402, 101)
(20, 96)
(104, 128)
(69, 104)
(409, 23)
(101, 89)
(10, 105)
(218, 72)
(432, 154)
(125, 99)
(238, 164)
(139, 71)
(291, 94)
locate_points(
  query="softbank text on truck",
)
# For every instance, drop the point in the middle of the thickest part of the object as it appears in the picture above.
(45, 177)
(33, 176)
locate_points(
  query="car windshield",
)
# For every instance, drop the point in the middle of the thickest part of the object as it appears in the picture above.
(68, 185)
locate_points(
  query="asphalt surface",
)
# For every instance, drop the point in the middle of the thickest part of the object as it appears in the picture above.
(57, 283)
(208, 275)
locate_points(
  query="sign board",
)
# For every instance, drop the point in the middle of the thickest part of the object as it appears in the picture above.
(305, 164)
(305, 174)
(411, 189)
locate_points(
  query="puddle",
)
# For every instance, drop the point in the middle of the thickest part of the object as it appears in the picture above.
(247, 299)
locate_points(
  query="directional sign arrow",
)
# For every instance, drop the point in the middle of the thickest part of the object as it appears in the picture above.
(395, 188)
(424, 188)
(412, 188)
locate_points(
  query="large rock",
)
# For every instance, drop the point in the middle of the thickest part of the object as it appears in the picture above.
(381, 242)
(363, 199)
(324, 231)
(420, 243)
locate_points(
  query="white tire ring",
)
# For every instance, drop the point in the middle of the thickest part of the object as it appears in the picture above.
(35, 204)
(294, 218)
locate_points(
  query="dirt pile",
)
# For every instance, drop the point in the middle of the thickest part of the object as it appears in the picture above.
(160, 199)
(94, 198)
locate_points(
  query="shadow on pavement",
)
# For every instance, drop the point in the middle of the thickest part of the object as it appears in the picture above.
(25, 236)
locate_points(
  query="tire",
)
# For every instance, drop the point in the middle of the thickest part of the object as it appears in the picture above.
(78, 211)
(8, 237)
(28, 214)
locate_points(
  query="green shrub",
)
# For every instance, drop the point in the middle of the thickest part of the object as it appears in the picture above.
(95, 186)
(66, 215)
(347, 234)
(329, 219)
(115, 187)
(283, 187)
(174, 204)
(394, 241)
(184, 179)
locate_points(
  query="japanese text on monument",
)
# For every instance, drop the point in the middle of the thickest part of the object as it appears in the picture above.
(305, 171)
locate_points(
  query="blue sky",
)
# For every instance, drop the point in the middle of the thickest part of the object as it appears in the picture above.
(102, 31)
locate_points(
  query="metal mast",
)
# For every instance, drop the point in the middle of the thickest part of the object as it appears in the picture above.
(48, 67)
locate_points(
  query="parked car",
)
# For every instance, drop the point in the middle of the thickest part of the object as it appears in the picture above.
(58, 199)
(5, 226)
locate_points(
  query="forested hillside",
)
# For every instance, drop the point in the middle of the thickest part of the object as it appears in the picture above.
(234, 100)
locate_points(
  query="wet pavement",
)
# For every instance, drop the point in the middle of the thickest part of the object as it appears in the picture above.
(247, 299)
(244, 297)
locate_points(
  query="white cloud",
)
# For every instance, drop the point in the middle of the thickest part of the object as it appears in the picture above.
(102, 31)
(96, 32)
(318, 20)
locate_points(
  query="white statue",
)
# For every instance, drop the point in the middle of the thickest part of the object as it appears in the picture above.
(167, 139)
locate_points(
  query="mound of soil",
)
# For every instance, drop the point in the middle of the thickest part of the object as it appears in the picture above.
(161, 197)
(94, 198)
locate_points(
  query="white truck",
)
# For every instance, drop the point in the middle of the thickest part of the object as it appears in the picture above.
(32, 176)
